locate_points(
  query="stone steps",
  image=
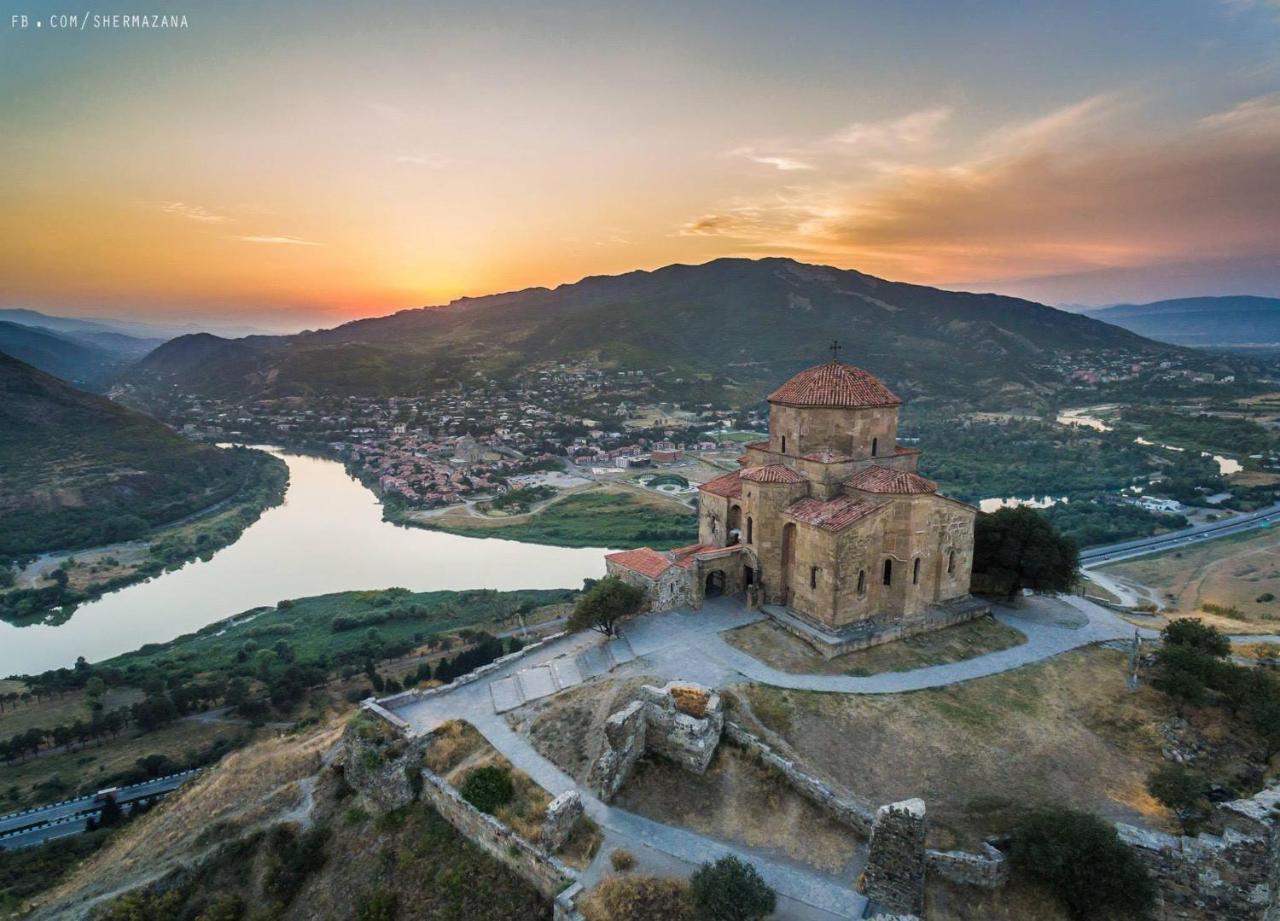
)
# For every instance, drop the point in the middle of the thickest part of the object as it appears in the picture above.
(559, 674)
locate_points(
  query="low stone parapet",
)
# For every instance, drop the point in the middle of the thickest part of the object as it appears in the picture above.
(988, 870)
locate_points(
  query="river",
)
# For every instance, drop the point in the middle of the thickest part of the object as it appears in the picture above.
(1081, 417)
(327, 536)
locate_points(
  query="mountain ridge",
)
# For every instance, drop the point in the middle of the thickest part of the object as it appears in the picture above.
(1240, 320)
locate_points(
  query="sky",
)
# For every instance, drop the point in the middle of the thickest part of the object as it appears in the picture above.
(299, 164)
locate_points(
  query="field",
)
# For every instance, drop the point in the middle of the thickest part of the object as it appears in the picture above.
(604, 517)
(982, 753)
(1235, 575)
(62, 709)
(776, 647)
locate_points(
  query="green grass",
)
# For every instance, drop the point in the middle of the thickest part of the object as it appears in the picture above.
(613, 520)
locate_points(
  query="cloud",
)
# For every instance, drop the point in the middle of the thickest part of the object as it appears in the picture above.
(1069, 192)
(894, 137)
(191, 212)
(279, 241)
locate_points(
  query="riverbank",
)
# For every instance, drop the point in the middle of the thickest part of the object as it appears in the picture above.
(56, 582)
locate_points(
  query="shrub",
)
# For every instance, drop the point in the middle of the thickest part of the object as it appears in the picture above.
(638, 898)
(294, 857)
(1265, 597)
(730, 890)
(487, 788)
(379, 906)
(1181, 790)
(1187, 631)
(621, 860)
(1079, 858)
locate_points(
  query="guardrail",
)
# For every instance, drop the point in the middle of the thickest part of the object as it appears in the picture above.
(89, 799)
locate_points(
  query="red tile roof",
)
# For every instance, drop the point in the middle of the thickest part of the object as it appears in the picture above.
(644, 560)
(686, 557)
(729, 485)
(772, 473)
(832, 514)
(834, 384)
(884, 480)
(757, 445)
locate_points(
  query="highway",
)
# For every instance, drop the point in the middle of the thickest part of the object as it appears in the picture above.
(57, 820)
(1237, 524)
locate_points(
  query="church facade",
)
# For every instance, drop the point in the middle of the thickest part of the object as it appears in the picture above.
(827, 524)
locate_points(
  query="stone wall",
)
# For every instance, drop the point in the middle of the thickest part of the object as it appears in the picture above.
(386, 771)
(681, 721)
(563, 813)
(896, 859)
(1234, 876)
(988, 870)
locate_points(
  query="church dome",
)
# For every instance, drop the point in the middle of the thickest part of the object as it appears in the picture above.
(835, 384)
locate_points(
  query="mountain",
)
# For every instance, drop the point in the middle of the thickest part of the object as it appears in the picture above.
(1240, 320)
(81, 470)
(58, 354)
(731, 327)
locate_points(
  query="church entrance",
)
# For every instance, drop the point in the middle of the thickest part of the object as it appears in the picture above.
(714, 586)
(748, 576)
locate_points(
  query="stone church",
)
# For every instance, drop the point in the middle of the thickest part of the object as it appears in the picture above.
(827, 526)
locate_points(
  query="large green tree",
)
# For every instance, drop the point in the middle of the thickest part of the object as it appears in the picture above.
(1017, 548)
(603, 605)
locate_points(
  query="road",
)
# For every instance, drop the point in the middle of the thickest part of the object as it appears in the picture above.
(56, 820)
(1094, 556)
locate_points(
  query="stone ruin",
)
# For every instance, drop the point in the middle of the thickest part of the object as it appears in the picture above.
(896, 858)
(563, 813)
(681, 721)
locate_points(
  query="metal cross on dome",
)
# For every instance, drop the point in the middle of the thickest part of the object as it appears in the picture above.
(835, 349)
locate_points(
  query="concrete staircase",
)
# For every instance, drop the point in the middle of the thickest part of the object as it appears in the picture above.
(559, 674)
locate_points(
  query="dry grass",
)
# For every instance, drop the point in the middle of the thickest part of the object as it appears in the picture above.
(637, 898)
(1229, 572)
(766, 641)
(984, 752)
(739, 800)
(251, 787)
(462, 750)
(1015, 901)
(62, 710)
(580, 848)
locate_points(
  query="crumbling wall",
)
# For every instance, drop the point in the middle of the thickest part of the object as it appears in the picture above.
(896, 859)
(379, 762)
(681, 721)
(1234, 876)
(562, 814)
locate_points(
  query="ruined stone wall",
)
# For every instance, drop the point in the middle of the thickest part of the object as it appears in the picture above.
(681, 721)
(1234, 876)
(896, 858)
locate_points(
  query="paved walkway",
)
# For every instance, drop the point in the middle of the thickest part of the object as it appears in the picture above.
(688, 645)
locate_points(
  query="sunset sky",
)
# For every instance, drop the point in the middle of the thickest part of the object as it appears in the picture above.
(290, 164)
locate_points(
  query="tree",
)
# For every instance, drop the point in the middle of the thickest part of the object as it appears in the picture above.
(730, 890)
(604, 604)
(1017, 548)
(1083, 862)
(1187, 631)
(1180, 790)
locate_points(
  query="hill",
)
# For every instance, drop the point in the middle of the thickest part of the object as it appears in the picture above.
(729, 328)
(80, 470)
(57, 354)
(1201, 321)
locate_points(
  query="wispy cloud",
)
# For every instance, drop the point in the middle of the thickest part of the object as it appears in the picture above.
(277, 241)
(906, 134)
(778, 161)
(191, 212)
(1078, 189)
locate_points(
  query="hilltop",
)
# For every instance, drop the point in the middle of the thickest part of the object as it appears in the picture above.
(725, 329)
(81, 470)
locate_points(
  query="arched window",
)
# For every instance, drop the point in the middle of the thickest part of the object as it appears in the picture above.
(888, 572)
(862, 581)
(749, 528)
(915, 572)
(875, 442)
(784, 444)
(813, 577)
(951, 562)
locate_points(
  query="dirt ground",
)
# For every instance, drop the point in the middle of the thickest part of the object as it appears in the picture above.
(982, 753)
(738, 800)
(567, 728)
(1233, 572)
(776, 647)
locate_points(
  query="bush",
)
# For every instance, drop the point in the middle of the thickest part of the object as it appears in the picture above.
(730, 890)
(487, 788)
(1079, 858)
(1189, 632)
(380, 906)
(638, 898)
(294, 857)
(621, 860)
(1181, 790)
